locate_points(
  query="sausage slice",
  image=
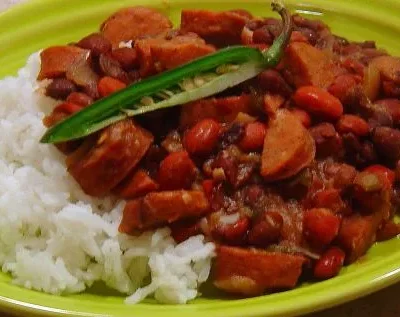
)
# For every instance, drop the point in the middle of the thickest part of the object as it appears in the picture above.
(250, 272)
(161, 208)
(115, 152)
(133, 23)
(288, 147)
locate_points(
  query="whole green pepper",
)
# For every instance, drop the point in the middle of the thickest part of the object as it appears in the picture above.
(195, 80)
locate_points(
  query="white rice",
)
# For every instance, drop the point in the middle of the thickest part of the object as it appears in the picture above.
(56, 239)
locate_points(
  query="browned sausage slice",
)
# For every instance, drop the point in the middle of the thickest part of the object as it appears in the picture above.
(133, 23)
(250, 272)
(161, 208)
(57, 60)
(288, 147)
(220, 28)
(358, 233)
(117, 150)
(309, 65)
(136, 185)
(159, 54)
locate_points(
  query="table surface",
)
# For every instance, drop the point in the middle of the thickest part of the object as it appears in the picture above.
(384, 303)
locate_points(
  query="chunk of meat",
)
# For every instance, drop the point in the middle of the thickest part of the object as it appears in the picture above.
(251, 272)
(357, 234)
(134, 23)
(57, 60)
(135, 186)
(220, 28)
(288, 147)
(221, 109)
(117, 150)
(161, 208)
(158, 54)
(308, 65)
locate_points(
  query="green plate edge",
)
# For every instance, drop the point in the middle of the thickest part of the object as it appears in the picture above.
(40, 23)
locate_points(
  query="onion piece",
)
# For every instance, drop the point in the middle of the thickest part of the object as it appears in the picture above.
(372, 81)
(294, 249)
(229, 219)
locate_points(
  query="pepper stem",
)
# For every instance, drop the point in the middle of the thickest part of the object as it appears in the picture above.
(274, 54)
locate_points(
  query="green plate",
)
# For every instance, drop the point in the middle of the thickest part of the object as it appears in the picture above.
(40, 23)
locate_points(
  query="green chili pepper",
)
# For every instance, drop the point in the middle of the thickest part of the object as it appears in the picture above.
(198, 79)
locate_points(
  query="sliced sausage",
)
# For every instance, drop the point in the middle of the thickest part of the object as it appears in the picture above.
(220, 28)
(135, 186)
(288, 147)
(308, 65)
(57, 60)
(116, 151)
(158, 54)
(161, 208)
(133, 23)
(357, 234)
(250, 272)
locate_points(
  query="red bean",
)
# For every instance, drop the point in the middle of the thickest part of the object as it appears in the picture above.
(386, 175)
(342, 86)
(353, 66)
(349, 123)
(302, 116)
(127, 57)
(80, 98)
(387, 142)
(391, 89)
(330, 198)
(203, 137)
(60, 88)
(68, 108)
(267, 230)
(392, 106)
(109, 85)
(112, 68)
(328, 142)
(182, 230)
(232, 233)
(95, 42)
(272, 81)
(320, 226)
(177, 171)
(262, 36)
(318, 102)
(253, 138)
(329, 264)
